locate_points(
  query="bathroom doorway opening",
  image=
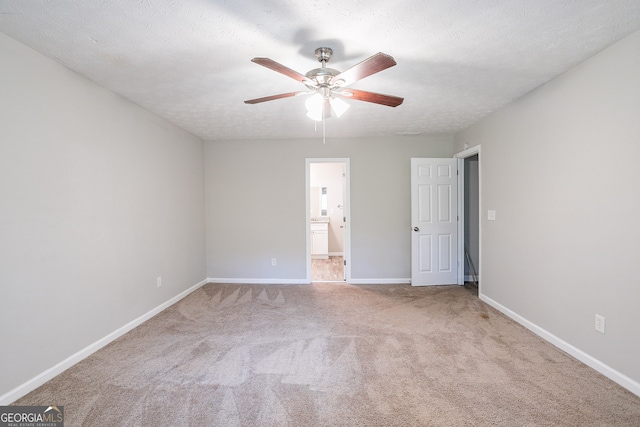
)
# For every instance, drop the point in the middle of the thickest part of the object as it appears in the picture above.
(327, 220)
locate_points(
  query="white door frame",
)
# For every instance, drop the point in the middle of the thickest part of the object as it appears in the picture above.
(346, 212)
(461, 156)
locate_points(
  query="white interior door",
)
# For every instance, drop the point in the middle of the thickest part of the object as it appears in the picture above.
(434, 219)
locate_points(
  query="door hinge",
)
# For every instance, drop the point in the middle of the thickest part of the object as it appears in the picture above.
(345, 262)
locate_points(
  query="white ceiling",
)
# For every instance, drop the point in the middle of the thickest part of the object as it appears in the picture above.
(189, 60)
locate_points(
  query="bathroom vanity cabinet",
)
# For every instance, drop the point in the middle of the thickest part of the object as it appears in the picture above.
(319, 240)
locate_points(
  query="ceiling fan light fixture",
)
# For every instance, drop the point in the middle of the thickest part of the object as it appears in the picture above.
(338, 106)
(317, 116)
(314, 106)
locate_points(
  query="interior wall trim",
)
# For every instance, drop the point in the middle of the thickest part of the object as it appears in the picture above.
(57, 369)
(587, 359)
(404, 281)
(256, 281)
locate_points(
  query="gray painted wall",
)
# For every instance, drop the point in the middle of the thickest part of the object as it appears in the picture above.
(256, 204)
(98, 198)
(560, 167)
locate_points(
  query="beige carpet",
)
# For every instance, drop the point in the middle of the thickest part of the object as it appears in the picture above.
(334, 355)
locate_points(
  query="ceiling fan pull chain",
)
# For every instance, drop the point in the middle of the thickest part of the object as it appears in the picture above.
(324, 133)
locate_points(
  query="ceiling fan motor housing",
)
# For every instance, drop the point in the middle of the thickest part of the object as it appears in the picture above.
(322, 77)
(324, 54)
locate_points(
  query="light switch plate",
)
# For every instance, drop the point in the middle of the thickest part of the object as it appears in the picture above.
(491, 215)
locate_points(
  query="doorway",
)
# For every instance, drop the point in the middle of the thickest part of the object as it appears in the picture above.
(327, 206)
(470, 233)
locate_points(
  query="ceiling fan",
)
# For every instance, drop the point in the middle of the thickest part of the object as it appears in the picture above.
(328, 85)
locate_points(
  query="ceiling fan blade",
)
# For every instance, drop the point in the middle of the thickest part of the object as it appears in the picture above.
(273, 97)
(371, 65)
(376, 98)
(276, 66)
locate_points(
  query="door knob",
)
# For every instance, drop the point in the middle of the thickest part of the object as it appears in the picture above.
(416, 229)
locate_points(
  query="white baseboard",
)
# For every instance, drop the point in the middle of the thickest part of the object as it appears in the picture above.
(626, 382)
(259, 281)
(404, 281)
(352, 281)
(469, 278)
(45, 376)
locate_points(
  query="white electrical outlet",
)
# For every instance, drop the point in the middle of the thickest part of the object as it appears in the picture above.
(273, 261)
(159, 282)
(600, 323)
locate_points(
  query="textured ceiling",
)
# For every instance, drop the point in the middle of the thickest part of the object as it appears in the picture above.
(189, 60)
